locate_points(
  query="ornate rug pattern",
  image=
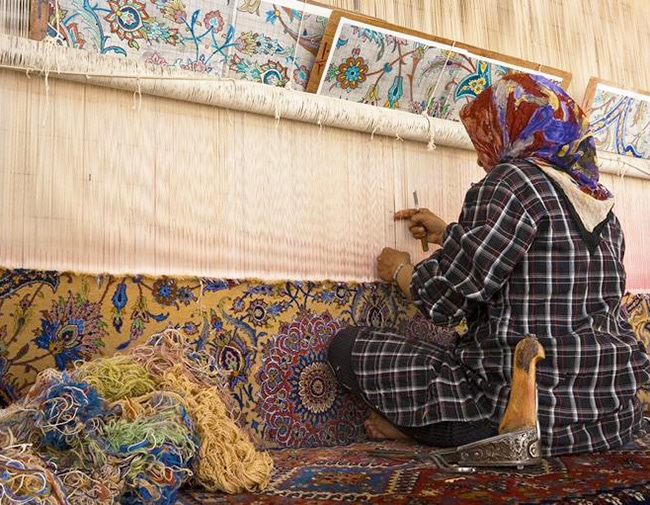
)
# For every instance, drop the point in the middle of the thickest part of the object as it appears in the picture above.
(272, 338)
(350, 475)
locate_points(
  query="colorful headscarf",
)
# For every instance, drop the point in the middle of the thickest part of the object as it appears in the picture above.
(523, 116)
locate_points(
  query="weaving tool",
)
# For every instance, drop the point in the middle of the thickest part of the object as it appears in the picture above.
(518, 442)
(423, 240)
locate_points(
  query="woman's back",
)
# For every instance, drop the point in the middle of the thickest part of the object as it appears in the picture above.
(566, 289)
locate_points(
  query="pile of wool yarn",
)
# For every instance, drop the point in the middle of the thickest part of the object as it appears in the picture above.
(129, 429)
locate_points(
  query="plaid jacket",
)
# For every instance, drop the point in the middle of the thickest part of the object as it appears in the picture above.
(516, 264)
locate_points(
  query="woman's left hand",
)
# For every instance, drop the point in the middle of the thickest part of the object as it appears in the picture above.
(389, 260)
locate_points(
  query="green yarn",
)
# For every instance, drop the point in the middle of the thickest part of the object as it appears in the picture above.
(116, 433)
(116, 378)
(150, 432)
(169, 428)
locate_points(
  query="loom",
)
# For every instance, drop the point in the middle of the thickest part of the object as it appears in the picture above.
(95, 157)
(110, 165)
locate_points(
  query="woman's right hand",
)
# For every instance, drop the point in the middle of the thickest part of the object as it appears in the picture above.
(423, 223)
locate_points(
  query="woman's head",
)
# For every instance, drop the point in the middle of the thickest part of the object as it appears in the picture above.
(523, 116)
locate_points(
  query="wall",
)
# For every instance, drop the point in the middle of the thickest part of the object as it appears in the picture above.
(590, 38)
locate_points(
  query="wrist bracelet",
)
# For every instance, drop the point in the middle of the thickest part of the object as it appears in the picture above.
(397, 271)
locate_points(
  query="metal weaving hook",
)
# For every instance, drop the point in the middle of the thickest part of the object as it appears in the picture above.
(516, 449)
(436, 457)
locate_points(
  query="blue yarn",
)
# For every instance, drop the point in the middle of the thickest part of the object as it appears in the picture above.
(134, 447)
(139, 492)
(84, 399)
(72, 415)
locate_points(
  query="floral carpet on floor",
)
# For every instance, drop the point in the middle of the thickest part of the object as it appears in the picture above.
(350, 474)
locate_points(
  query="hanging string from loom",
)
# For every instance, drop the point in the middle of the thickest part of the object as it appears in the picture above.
(425, 112)
(124, 200)
(405, 186)
(443, 69)
(14, 17)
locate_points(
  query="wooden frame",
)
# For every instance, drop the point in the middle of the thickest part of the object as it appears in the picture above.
(38, 17)
(612, 130)
(592, 86)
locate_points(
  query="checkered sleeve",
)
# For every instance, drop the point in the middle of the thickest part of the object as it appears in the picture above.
(477, 256)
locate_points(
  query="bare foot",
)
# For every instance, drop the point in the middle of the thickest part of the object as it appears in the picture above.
(379, 428)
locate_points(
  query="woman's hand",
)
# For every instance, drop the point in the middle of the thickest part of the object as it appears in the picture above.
(388, 262)
(423, 224)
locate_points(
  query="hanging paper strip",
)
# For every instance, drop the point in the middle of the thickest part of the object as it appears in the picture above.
(620, 118)
(243, 39)
(368, 61)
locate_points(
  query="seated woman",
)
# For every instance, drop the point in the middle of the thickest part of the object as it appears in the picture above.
(536, 250)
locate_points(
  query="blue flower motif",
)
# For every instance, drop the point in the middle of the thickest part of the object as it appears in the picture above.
(395, 92)
(301, 74)
(352, 73)
(214, 285)
(119, 298)
(72, 330)
(186, 296)
(387, 67)
(165, 291)
(475, 83)
(64, 351)
(215, 322)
